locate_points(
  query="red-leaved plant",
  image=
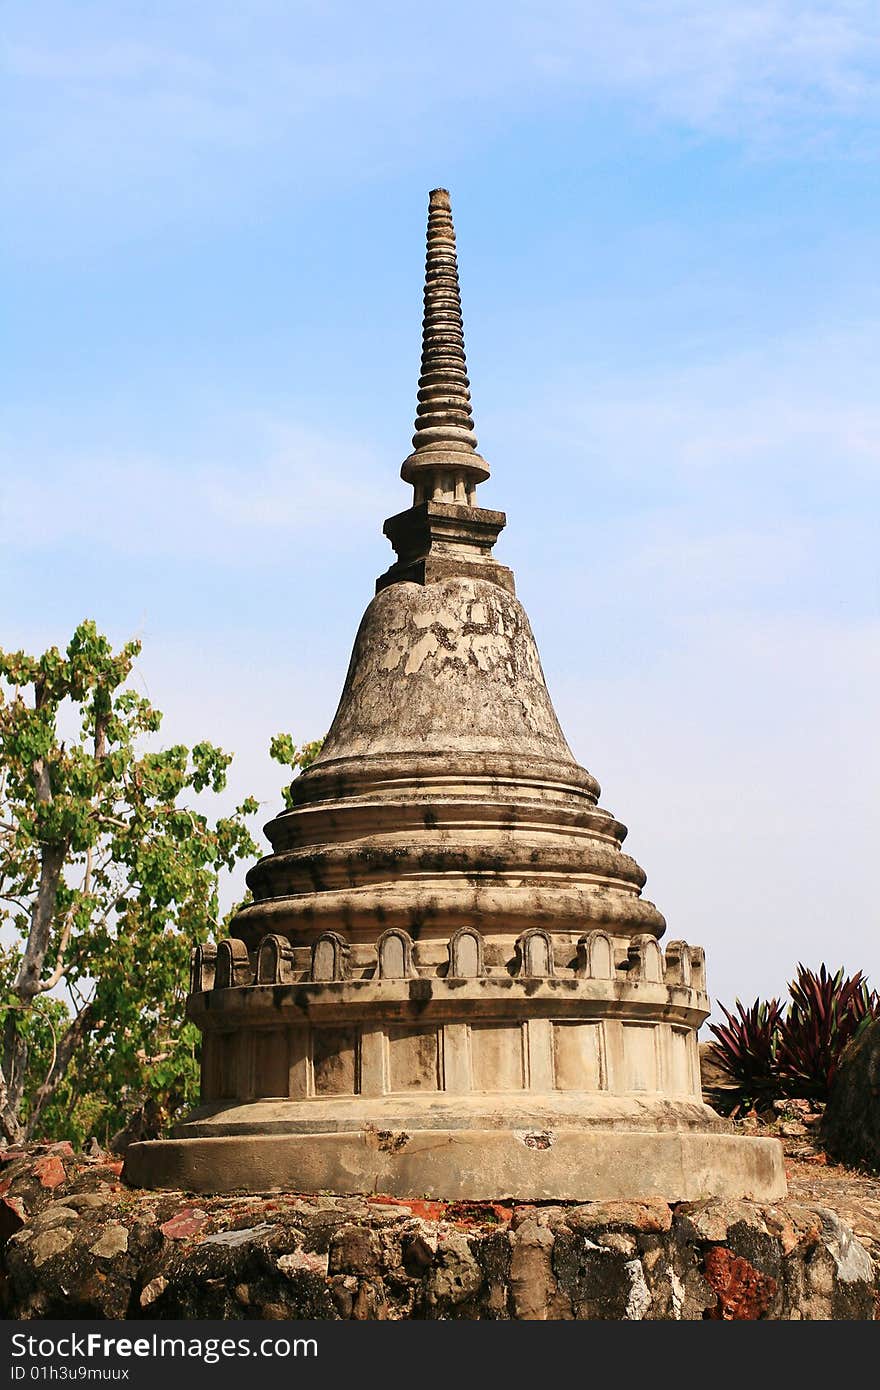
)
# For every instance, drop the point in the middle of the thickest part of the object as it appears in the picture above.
(770, 1055)
(826, 1013)
(745, 1048)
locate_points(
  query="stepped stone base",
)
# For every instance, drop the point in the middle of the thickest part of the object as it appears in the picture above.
(472, 1165)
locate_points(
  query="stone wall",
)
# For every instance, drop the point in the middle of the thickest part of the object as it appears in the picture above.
(79, 1243)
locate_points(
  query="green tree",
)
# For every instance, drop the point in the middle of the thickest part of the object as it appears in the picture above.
(283, 749)
(109, 872)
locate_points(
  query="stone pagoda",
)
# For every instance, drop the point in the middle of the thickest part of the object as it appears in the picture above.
(448, 983)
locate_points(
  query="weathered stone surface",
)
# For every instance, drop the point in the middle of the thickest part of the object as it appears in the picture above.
(851, 1123)
(150, 1292)
(606, 1162)
(13, 1216)
(54, 1215)
(244, 1237)
(457, 1273)
(53, 1242)
(309, 1260)
(113, 1240)
(621, 1216)
(455, 639)
(85, 1201)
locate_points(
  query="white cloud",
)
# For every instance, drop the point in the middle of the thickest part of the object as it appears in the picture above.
(805, 399)
(319, 93)
(747, 478)
(732, 68)
(312, 489)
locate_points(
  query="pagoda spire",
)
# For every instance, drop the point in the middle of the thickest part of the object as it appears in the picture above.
(444, 465)
(444, 533)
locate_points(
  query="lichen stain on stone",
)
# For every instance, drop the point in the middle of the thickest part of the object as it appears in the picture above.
(390, 1141)
(485, 649)
(420, 992)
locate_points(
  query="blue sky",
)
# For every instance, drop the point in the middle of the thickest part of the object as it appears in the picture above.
(667, 218)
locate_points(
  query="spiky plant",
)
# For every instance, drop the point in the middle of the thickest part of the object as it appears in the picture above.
(826, 1012)
(745, 1048)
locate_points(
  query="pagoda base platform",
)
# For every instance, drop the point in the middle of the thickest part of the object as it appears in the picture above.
(538, 1162)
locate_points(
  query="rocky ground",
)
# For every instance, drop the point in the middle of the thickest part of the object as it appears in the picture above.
(79, 1243)
(813, 1177)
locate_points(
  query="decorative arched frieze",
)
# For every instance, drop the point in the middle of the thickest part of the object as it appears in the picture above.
(595, 956)
(233, 965)
(698, 969)
(330, 958)
(395, 955)
(534, 954)
(203, 963)
(645, 960)
(274, 961)
(465, 954)
(678, 963)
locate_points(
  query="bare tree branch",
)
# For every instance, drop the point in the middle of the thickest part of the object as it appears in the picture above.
(85, 889)
(64, 1054)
